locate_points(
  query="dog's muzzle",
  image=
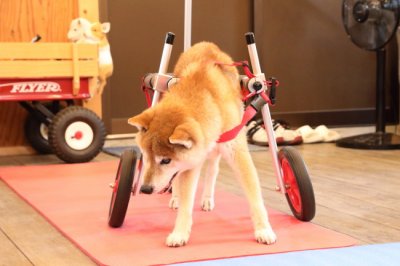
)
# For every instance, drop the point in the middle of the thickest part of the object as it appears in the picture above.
(146, 189)
(149, 189)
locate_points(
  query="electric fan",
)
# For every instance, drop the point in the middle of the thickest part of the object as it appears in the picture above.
(371, 24)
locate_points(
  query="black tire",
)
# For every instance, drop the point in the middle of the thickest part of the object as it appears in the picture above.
(36, 132)
(67, 140)
(122, 188)
(299, 189)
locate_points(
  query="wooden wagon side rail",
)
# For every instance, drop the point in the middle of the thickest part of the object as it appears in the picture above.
(49, 60)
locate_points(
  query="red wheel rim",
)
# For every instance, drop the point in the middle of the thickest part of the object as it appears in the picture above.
(292, 189)
(78, 135)
(115, 188)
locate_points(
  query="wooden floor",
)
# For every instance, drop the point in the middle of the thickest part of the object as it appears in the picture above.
(357, 193)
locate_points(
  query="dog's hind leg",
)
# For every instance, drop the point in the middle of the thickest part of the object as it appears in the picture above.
(187, 189)
(237, 155)
(207, 199)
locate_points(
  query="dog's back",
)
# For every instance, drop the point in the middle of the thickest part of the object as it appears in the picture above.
(206, 91)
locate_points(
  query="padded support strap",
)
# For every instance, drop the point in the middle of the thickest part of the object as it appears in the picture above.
(249, 113)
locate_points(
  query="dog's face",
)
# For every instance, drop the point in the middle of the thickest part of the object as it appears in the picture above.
(170, 143)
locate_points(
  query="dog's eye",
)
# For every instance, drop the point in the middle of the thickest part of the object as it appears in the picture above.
(165, 161)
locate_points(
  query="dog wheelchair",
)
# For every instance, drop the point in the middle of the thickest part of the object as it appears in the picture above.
(290, 170)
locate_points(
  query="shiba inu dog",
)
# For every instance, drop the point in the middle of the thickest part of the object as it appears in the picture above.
(180, 133)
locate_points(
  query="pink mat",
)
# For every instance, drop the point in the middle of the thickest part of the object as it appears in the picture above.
(75, 199)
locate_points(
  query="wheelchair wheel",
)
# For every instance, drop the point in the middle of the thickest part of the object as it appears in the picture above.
(299, 190)
(128, 170)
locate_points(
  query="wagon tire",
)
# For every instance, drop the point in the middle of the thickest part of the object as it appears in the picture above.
(76, 134)
(37, 132)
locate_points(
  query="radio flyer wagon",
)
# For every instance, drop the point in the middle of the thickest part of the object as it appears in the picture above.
(290, 170)
(49, 80)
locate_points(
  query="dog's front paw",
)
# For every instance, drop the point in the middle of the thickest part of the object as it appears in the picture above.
(177, 239)
(265, 236)
(173, 203)
(207, 204)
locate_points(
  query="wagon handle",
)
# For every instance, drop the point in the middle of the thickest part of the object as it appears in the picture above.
(75, 72)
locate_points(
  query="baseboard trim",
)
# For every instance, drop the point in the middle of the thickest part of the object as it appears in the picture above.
(334, 117)
(16, 150)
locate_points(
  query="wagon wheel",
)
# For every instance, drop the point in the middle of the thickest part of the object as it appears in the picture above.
(36, 132)
(76, 134)
(299, 189)
(128, 171)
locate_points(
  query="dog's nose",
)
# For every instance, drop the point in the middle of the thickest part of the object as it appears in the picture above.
(146, 189)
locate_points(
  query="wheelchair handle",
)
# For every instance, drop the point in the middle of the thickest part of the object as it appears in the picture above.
(170, 38)
(166, 55)
(249, 38)
(251, 46)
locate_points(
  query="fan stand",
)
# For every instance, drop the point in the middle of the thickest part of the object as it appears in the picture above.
(380, 140)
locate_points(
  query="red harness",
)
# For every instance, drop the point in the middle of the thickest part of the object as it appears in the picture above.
(250, 110)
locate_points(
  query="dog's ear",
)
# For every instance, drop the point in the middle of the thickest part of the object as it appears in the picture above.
(142, 121)
(186, 134)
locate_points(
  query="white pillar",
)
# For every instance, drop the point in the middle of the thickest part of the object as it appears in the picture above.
(187, 31)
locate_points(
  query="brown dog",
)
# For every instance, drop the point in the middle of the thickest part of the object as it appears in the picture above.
(180, 133)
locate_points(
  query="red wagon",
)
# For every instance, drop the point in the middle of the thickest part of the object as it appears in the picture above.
(50, 80)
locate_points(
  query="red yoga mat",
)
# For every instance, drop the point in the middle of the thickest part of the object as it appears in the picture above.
(75, 199)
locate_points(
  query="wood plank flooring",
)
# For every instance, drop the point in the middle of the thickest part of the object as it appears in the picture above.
(357, 193)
